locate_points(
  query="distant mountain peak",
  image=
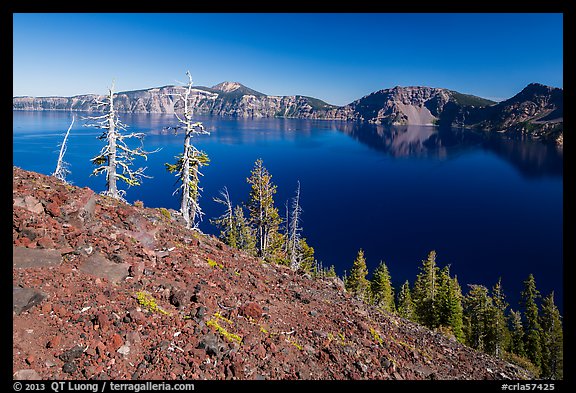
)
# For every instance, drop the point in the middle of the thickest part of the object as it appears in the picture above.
(228, 87)
(235, 88)
(537, 92)
(540, 85)
(539, 88)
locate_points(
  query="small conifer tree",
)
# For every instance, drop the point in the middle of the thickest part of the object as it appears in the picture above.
(425, 292)
(382, 293)
(449, 303)
(552, 340)
(478, 312)
(517, 334)
(405, 303)
(264, 215)
(357, 283)
(501, 334)
(245, 239)
(532, 329)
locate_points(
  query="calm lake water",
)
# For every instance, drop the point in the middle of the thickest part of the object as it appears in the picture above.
(489, 206)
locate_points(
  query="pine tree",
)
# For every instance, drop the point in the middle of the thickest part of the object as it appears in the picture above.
(501, 334)
(405, 304)
(307, 261)
(443, 295)
(356, 283)
(245, 239)
(330, 272)
(425, 291)
(454, 309)
(532, 329)
(552, 340)
(516, 334)
(478, 309)
(324, 272)
(276, 251)
(382, 293)
(263, 215)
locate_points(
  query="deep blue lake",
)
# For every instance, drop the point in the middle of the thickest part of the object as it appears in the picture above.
(488, 205)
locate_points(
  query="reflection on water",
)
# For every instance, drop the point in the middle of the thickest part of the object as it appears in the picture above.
(530, 158)
(224, 130)
(398, 202)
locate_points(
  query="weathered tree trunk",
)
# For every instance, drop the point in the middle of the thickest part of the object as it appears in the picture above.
(186, 202)
(261, 229)
(111, 175)
(189, 163)
(61, 171)
(116, 157)
(230, 211)
(294, 237)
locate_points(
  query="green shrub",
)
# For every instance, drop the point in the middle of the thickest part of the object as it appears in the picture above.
(522, 362)
(165, 213)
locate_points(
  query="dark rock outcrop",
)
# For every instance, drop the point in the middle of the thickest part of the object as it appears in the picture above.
(24, 299)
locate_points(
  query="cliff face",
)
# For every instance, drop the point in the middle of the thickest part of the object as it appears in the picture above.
(536, 111)
(76, 103)
(106, 290)
(402, 106)
(224, 99)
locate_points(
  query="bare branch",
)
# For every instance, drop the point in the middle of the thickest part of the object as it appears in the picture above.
(94, 118)
(116, 154)
(61, 166)
(179, 118)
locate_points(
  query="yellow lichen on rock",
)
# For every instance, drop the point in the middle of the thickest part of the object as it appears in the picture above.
(213, 322)
(148, 302)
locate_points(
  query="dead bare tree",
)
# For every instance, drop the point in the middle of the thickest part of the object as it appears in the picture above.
(61, 166)
(295, 230)
(116, 157)
(226, 221)
(187, 166)
(286, 227)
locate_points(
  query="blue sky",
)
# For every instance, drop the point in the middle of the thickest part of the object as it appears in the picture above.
(334, 57)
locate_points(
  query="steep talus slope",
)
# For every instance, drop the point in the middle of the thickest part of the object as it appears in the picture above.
(414, 105)
(106, 290)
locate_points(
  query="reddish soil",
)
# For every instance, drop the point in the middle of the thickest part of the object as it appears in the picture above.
(106, 290)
